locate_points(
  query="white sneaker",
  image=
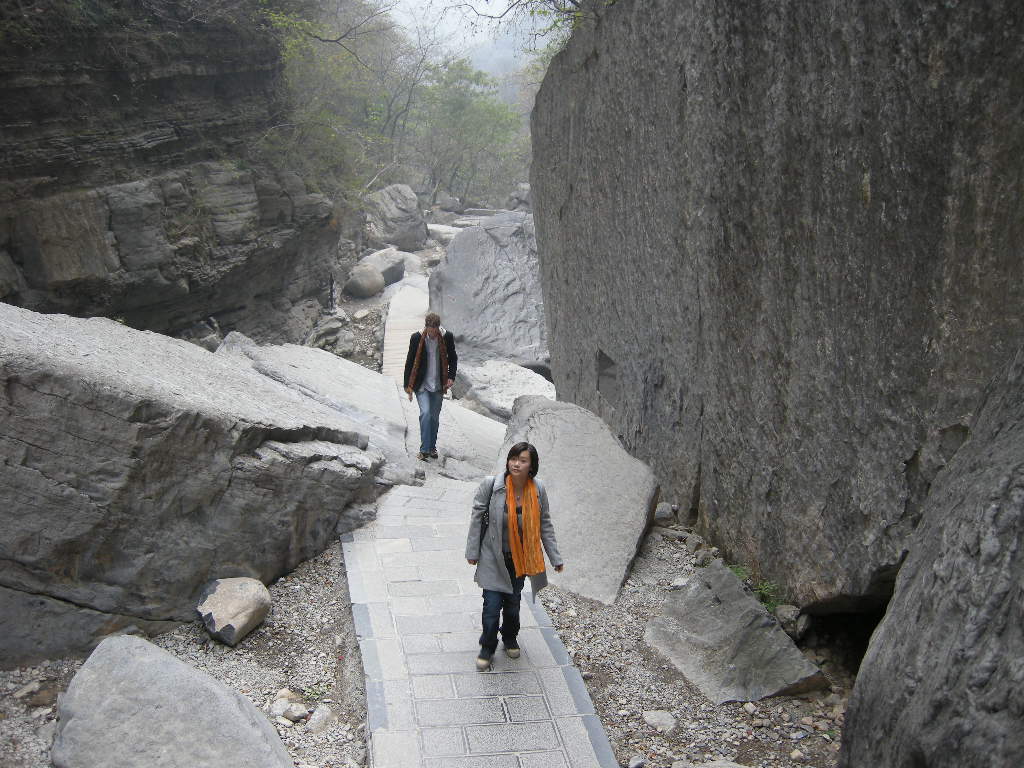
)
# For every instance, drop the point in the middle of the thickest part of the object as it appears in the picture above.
(513, 653)
(482, 664)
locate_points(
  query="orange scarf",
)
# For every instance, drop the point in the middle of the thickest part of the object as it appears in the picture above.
(526, 551)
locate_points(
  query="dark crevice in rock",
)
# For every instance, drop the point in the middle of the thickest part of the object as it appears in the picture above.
(254, 436)
(72, 604)
(694, 510)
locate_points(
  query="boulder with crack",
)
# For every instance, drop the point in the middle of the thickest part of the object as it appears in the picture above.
(725, 643)
(394, 218)
(132, 703)
(494, 386)
(487, 290)
(139, 467)
(602, 499)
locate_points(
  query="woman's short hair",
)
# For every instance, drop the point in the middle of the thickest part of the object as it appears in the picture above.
(518, 448)
(432, 320)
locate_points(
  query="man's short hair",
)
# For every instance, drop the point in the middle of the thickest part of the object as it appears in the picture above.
(432, 320)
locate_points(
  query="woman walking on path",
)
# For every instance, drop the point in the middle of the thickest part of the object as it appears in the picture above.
(430, 368)
(506, 548)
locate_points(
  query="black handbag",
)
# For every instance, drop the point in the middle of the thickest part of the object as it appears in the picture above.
(486, 519)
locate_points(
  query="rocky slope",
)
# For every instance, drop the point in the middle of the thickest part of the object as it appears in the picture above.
(127, 186)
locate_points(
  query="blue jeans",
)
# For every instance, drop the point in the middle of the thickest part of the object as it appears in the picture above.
(430, 418)
(503, 607)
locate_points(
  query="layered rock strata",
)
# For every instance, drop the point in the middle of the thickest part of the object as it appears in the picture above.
(779, 254)
(128, 185)
(138, 467)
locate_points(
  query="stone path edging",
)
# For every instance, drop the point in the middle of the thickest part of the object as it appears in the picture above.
(417, 617)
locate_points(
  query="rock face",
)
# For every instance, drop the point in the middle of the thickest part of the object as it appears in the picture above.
(774, 261)
(721, 638)
(232, 608)
(601, 498)
(133, 202)
(393, 217)
(487, 290)
(799, 210)
(132, 703)
(138, 468)
(942, 677)
(494, 386)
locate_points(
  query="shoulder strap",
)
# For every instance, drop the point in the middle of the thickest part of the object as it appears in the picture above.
(487, 513)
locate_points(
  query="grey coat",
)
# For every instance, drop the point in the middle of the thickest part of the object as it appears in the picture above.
(491, 572)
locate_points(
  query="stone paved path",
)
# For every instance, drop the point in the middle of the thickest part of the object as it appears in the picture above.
(417, 615)
(405, 316)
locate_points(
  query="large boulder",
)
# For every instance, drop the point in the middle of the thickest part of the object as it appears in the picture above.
(393, 217)
(355, 393)
(487, 289)
(495, 385)
(364, 281)
(390, 262)
(133, 704)
(139, 467)
(442, 233)
(725, 643)
(602, 499)
(943, 677)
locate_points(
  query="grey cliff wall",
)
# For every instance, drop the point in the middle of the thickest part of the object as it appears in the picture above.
(780, 250)
(953, 695)
(127, 187)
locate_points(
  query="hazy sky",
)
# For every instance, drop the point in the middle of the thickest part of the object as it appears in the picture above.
(490, 49)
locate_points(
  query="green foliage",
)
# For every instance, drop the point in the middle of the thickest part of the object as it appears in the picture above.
(767, 593)
(741, 571)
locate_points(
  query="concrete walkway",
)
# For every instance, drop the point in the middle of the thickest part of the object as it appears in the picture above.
(405, 316)
(417, 616)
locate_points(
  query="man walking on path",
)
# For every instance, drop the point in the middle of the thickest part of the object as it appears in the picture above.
(430, 370)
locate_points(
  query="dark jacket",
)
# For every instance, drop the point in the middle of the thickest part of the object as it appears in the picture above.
(490, 570)
(414, 343)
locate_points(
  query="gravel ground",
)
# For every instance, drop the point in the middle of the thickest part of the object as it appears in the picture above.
(306, 645)
(627, 678)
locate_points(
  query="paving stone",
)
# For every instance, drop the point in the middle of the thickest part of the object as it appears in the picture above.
(535, 646)
(490, 761)
(543, 760)
(454, 642)
(559, 693)
(401, 573)
(513, 737)
(391, 546)
(443, 741)
(523, 708)
(421, 644)
(396, 749)
(383, 659)
(366, 587)
(438, 544)
(432, 687)
(424, 588)
(442, 622)
(456, 604)
(579, 744)
(406, 532)
(441, 663)
(497, 684)
(432, 559)
(459, 711)
(410, 606)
